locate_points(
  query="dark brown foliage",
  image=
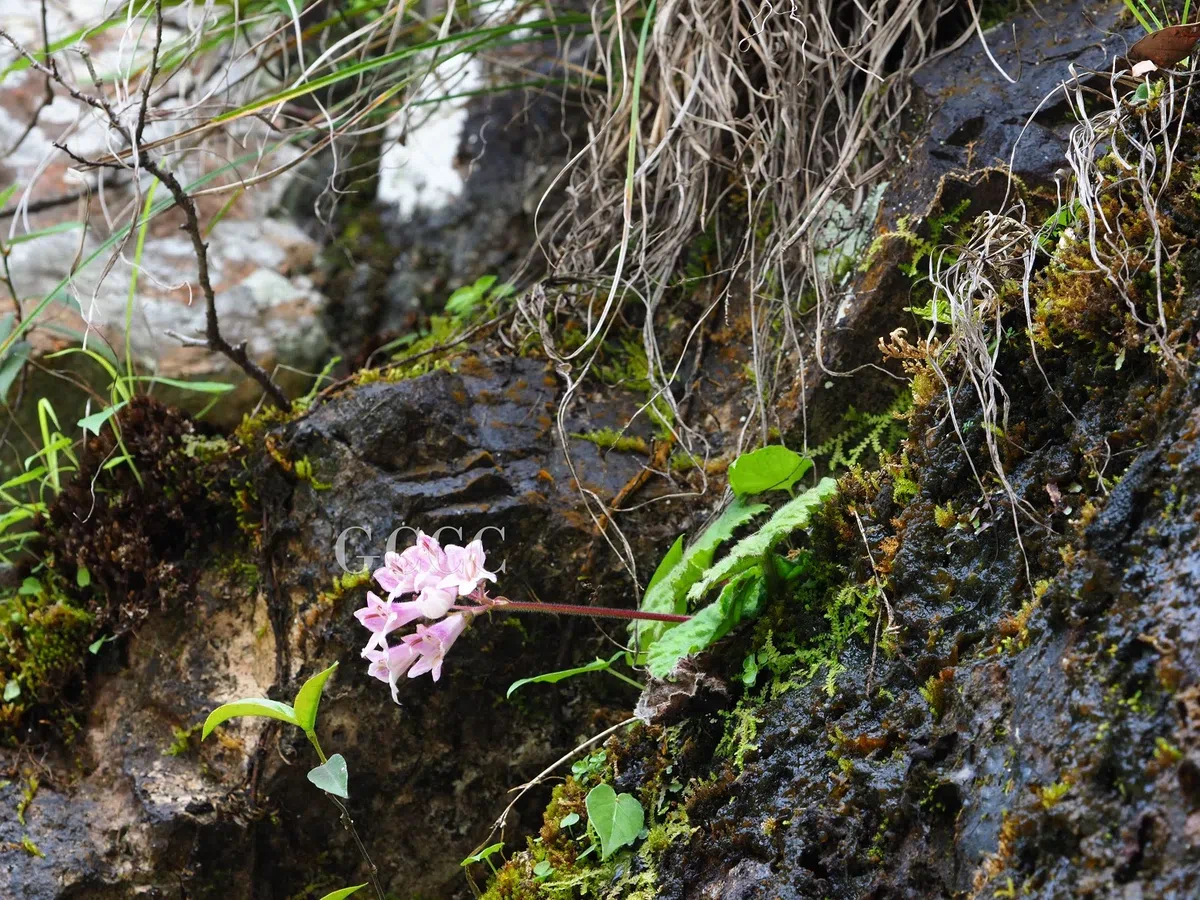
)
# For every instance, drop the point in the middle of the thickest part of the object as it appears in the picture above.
(140, 542)
(1166, 47)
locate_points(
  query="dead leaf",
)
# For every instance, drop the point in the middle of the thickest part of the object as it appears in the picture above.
(664, 702)
(1166, 47)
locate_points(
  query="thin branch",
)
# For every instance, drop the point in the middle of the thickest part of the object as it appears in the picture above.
(38, 206)
(47, 97)
(216, 341)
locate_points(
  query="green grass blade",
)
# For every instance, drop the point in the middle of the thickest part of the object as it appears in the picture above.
(133, 276)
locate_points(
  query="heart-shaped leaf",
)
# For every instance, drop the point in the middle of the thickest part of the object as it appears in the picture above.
(308, 698)
(343, 893)
(617, 818)
(332, 777)
(96, 420)
(483, 854)
(771, 468)
(253, 706)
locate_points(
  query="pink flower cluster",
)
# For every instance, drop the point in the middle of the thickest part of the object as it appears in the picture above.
(437, 576)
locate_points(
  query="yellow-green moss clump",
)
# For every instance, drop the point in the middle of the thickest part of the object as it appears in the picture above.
(43, 641)
(563, 860)
(611, 439)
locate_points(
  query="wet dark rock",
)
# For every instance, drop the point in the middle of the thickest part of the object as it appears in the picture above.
(147, 810)
(1066, 764)
(974, 118)
(962, 128)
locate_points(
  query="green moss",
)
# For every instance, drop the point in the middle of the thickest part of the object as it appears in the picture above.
(304, 471)
(27, 794)
(995, 12)
(936, 692)
(1166, 753)
(612, 439)
(253, 428)
(342, 584)
(511, 883)
(239, 570)
(206, 449)
(43, 639)
(741, 728)
(879, 842)
(183, 742)
(1051, 794)
(922, 246)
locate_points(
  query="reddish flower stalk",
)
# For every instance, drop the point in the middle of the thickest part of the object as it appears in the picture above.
(569, 609)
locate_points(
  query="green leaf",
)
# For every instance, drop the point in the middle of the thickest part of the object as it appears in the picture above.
(94, 646)
(670, 561)
(617, 818)
(83, 577)
(936, 310)
(343, 893)
(668, 593)
(750, 670)
(10, 368)
(331, 776)
(464, 300)
(252, 706)
(543, 869)
(7, 193)
(773, 468)
(568, 820)
(741, 598)
(199, 387)
(30, 587)
(483, 854)
(45, 232)
(96, 420)
(750, 550)
(12, 691)
(308, 698)
(598, 665)
(23, 478)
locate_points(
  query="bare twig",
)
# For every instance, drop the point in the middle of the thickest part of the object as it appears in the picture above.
(215, 339)
(47, 96)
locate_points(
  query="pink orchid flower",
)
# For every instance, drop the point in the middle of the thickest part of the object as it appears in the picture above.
(432, 642)
(382, 617)
(420, 570)
(419, 566)
(390, 663)
(465, 565)
(394, 576)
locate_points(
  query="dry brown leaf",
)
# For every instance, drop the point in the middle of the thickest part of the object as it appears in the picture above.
(1166, 47)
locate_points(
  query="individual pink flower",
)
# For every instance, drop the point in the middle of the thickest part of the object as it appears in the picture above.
(432, 642)
(390, 663)
(465, 568)
(394, 576)
(420, 570)
(408, 572)
(382, 617)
